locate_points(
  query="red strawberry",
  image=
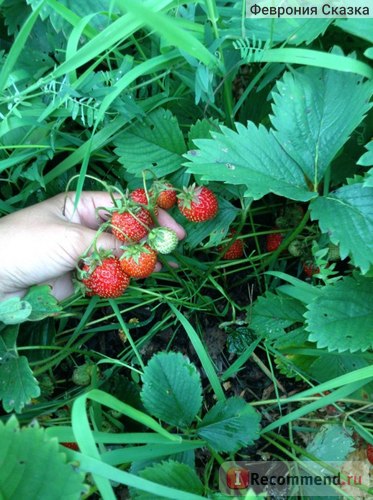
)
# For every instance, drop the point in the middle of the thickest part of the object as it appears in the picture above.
(167, 197)
(370, 453)
(139, 196)
(235, 250)
(310, 268)
(198, 204)
(138, 261)
(104, 277)
(131, 226)
(273, 241)
(72, 446)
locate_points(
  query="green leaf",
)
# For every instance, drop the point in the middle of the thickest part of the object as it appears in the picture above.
(360, 27)
(173, 474)
(252, 157)
(315, 111)
(347, 216)
(293, 30)
(172, 389)
(230, 425)
(272, 314)
(17, 383)
(341, 318)
(32, 465)
(367, 159)
(14, 310)
(332, 443)
(156, 144)
(43, 303)
(202, 130)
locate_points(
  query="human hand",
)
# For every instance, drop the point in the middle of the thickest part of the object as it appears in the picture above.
(42, 243)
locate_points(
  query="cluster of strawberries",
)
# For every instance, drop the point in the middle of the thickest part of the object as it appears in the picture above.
(133, 222)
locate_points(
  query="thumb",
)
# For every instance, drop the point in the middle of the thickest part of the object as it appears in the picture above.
(107, 241)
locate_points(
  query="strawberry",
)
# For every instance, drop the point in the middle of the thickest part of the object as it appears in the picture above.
(167, 198)
(139, 196)
(273, 241)
(198, 204)
(235, 250)
(295, 248)
(310, 268)
(131, 225)
(82, 374)
(104, 276)
(370, 453)
(71, 446)
(163, 240)
(138, 261)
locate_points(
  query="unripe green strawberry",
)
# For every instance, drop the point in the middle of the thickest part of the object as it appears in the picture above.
(296, 248)
(82, 374)
(163, 240)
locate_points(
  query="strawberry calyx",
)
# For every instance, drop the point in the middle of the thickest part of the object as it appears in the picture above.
(88, 263)
(134, 252)
(189, 195)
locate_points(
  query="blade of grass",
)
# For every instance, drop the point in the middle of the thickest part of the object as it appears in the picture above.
(119, 30)
(135, 453)
(167, 28)
(240, 361)
(315, 405)
(313, 58)
(201, 353)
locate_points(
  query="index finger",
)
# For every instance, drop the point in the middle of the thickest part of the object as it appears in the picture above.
(87, 211)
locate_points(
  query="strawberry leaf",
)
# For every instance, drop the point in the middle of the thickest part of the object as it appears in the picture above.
(17, 383)
(230, 425)
(43, 303)
(339, 324)
(33, 466)
(315, 111)
(14, 310)
(172, 389)
(347, 216)
(155, 144)
(172, 474)
(272, 314)
(251, 156)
